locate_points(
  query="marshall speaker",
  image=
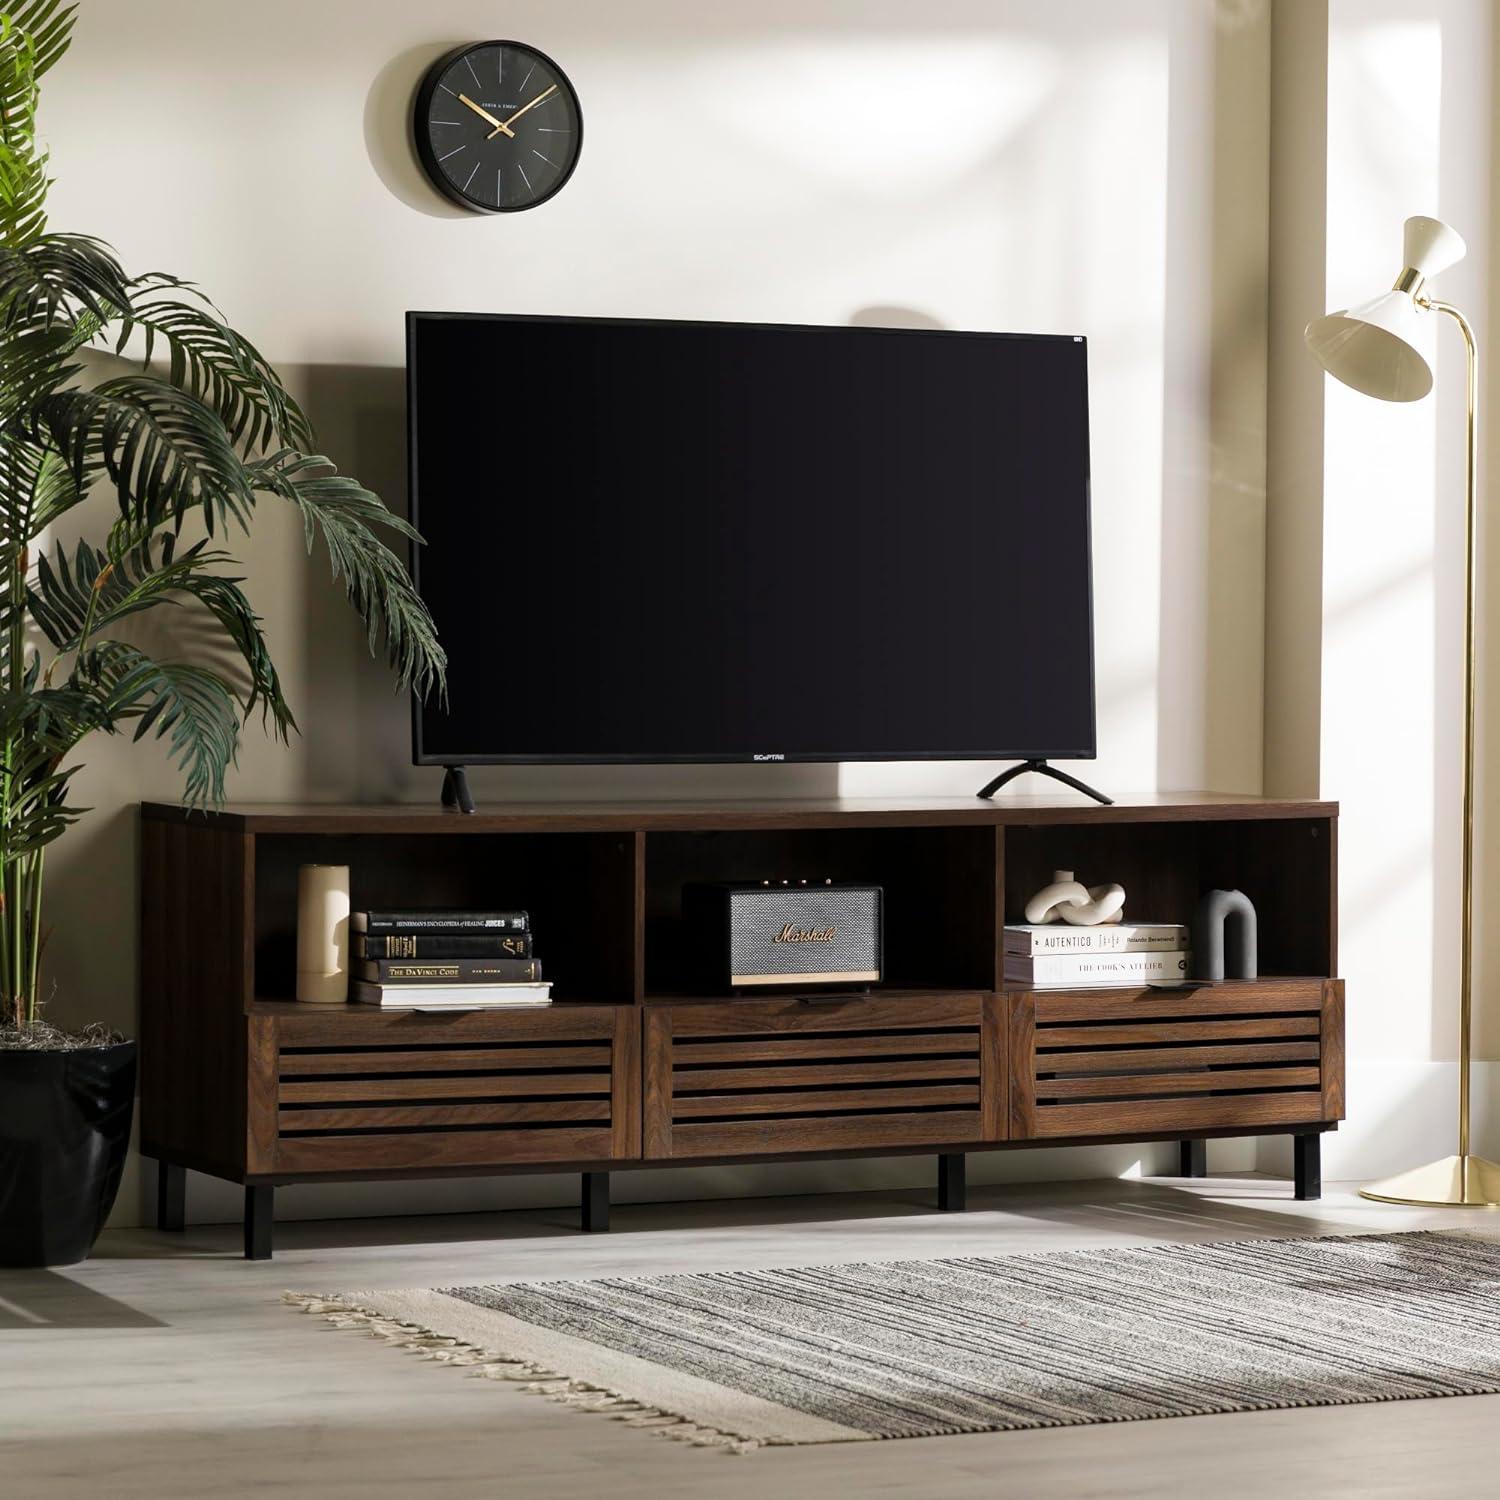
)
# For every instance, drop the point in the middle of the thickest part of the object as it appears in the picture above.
(791, 932)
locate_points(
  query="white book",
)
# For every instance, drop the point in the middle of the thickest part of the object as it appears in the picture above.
(1028, 940)
(427, 1008)
(450, 996)
(1087, 970)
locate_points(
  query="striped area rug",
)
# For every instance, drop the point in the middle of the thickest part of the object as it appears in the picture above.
(916, 1348)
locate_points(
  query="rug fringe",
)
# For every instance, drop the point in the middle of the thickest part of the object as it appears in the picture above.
(535, 1379)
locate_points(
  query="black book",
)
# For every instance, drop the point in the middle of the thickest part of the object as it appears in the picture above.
(427, 945)
(438, 919)
(455, 970)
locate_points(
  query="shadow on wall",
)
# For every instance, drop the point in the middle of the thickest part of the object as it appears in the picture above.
(358, 733)
(1210, 722)
(388, 136)
(91, 915)
(894, 317)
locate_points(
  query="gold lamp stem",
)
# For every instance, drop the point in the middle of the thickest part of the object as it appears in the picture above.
(1471, 570)
(1464, 1180)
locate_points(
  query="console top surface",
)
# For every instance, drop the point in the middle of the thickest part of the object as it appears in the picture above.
(686, 816)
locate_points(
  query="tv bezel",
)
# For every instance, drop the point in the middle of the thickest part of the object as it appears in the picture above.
(422, 757)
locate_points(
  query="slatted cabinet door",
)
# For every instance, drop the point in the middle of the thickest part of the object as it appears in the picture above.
(772, 1077)
(1265, 1052)
(401, 1092)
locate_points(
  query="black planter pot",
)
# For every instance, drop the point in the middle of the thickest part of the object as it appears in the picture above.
(64, 1128)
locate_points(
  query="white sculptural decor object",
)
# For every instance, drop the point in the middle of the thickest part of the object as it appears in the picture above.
(1066, 900)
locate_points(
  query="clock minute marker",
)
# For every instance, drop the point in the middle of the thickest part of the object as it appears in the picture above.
(470, 177)
(472, 74)
(454, 151)
(546, 159)
(526, 79)
(525, 178)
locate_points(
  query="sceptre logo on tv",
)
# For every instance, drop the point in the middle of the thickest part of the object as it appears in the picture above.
(768, 757)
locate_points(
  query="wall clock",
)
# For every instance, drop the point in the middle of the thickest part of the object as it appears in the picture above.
(497, 126)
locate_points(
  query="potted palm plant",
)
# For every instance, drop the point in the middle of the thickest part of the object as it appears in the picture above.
(188, 440)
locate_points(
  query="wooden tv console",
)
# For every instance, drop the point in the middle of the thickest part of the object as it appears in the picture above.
(628, 1068)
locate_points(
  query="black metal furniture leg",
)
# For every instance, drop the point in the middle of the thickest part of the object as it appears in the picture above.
(1307, 1165)
(1192, 1157)
(952, 1185)
(260, 1215)
(595, 1202)
(171, 1196)
(456, 793)
(1041, 768)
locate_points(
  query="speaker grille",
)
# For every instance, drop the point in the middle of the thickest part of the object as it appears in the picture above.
(851, 914)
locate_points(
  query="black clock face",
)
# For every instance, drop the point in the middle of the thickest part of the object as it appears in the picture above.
(498, 126)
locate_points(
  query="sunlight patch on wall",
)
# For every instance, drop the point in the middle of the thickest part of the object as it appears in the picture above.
(872, 118)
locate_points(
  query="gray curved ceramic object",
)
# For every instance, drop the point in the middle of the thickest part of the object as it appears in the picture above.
(1225, 944)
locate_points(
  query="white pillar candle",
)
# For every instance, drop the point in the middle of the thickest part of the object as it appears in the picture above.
(323, 934)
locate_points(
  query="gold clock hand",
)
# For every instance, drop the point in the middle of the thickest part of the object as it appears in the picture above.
(485, 115)
(543, 95)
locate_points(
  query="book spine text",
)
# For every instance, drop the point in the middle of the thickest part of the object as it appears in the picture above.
(372, 945)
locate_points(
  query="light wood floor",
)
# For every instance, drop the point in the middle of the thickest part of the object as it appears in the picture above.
(168, 1367)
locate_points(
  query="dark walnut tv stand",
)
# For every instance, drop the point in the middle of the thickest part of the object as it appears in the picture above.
(630, 1068)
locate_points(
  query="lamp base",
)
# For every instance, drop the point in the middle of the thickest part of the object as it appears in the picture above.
(1454, 1182)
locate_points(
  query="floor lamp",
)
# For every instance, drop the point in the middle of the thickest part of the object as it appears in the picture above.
(1384, 349)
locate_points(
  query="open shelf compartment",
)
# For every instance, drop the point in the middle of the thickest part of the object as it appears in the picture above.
(1285, 867)
(578, 887)
(940, 906)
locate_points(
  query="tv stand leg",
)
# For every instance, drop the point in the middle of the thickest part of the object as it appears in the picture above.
(1307, 1166)
(456, 793)
(952, 1188)
(595, 1202)
(1041, 768)
(171, 1197)
(260, 1214)
(1192, 1158)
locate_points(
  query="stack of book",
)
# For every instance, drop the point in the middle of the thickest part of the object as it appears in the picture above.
(438, 959)
(1064, 957)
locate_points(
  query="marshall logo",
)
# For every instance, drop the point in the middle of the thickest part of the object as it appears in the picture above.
(790, 934)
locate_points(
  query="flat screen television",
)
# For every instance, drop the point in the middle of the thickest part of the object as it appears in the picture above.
(689, 542)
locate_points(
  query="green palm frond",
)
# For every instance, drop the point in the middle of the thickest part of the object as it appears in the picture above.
(187, 705)
(20, 471)
(31, 367)
(208, 359)
(166, 452)
(34, 34)
(84, 597)
(49, 24)
(41, 725)
(23, 169)
(56, 489)
(224, 599)
(49, 278)
(342, 511)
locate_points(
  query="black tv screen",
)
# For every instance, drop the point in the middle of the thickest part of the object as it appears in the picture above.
(673, 541)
